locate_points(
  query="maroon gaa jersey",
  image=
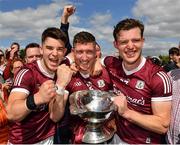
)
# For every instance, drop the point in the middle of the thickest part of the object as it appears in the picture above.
(143, 85)
(85, 82)
(37, 125)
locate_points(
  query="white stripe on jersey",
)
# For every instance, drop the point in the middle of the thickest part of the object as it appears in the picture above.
(166, 82)
(19, 76)
(20, 90)
(168, 98)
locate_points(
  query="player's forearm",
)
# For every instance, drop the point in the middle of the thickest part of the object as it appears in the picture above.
(56, 108)
(154, 123)
(64, 19)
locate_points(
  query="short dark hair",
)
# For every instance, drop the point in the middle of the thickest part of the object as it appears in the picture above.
(15, 43)
(55, 33)
(31, 45)
(173, 51)
(83, 37)
(128, 24)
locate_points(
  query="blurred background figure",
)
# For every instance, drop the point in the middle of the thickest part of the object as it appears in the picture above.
(174, 59)
(32, 52)
(156, 60)
(15, 66)
(2, 64)
(13, 51)
(10, 53)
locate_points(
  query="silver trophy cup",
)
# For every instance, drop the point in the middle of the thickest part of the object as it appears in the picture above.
(94, 107)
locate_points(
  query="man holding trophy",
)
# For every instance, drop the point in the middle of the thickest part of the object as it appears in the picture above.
(84, 53)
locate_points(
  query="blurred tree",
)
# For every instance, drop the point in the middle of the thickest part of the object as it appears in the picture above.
(22, 53)
(164, 59)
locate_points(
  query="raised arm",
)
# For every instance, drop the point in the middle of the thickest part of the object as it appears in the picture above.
(58, 104)
(67, 12)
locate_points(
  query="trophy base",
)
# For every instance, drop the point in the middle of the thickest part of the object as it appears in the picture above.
(98, 135)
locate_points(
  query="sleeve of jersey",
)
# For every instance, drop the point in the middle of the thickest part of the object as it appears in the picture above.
(67, 61)
(107, 61)
(161, 87)
(23, 81)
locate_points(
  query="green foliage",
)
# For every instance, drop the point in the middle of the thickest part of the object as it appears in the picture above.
(164, 59)
(22, 53)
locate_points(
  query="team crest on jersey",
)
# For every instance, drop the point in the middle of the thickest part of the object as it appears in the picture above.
(140, 84)
(101, 83)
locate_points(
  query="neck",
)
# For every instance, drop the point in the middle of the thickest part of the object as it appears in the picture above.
(131, 66)
(45, 68)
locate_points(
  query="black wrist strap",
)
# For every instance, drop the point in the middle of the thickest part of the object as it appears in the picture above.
(30, 103)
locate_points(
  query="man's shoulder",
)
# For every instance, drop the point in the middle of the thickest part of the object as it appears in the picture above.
(111, 61)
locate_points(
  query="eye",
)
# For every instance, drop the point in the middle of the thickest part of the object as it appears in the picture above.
(123, 42)
(49, 47)
(60, 49)
(136, 40)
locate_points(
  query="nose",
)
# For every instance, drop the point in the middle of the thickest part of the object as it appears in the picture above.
(35, 58)
(55, 52)
(84, 56)
(130, 44)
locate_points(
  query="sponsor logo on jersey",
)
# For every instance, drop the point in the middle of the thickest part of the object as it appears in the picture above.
(140, 84)
(101, 83)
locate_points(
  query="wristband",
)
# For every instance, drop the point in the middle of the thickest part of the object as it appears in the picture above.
(59, 90)
(30, 103)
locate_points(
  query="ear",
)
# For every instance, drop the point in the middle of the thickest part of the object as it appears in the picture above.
(65, 50)
(41, 50)
(115, 44)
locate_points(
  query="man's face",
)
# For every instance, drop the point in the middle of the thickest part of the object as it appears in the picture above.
(32, 54)
(53, 52)
(85, 56)
(129, 43)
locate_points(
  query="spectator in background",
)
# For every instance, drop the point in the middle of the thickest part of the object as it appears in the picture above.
(16, 65)
(2, 62)
(173, 135)
(11, 53)
(32, 52)
(174, 59)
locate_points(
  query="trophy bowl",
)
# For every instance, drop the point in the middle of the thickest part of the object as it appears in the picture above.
(94, 107)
